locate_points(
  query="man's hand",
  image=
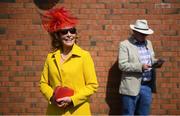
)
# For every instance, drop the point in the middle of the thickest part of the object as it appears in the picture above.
(159, 63)
(146, 66)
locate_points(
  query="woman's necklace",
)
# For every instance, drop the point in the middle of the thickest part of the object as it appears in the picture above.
(64, 56)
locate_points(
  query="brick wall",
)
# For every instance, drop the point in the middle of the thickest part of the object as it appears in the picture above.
(103, 24)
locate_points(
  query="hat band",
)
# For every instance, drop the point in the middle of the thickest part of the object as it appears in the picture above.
(140, 28)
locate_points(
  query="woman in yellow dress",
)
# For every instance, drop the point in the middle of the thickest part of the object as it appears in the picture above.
(67, 66)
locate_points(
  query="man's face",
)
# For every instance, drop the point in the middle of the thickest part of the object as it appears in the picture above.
(140, 36)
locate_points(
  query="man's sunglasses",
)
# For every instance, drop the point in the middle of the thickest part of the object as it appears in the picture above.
(65, 31)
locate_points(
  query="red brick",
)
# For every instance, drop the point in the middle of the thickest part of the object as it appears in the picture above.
(98, 6)
(146, 6)
(168, 106)
(16, 68)
(16, 89)
(26, 84)
(173, 112)
(18, 79)
(130, 5)
(171, 1)
(114, 5)
(158, 112)
(129, 11)
(96, 16)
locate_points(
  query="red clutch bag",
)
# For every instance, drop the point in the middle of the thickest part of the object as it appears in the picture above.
(61, 92)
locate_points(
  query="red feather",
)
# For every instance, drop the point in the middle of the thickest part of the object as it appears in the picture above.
(56, 19)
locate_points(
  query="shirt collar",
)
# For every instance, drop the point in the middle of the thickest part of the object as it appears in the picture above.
(134, 41)
(76, 50)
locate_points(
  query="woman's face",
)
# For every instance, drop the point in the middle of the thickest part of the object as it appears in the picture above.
(68, 36)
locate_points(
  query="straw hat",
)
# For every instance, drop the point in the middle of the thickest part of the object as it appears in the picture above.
(142, 27)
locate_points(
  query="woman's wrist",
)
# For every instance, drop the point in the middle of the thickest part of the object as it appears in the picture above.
(52, 100)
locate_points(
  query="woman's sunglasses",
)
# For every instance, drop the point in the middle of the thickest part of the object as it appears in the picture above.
(65, 31)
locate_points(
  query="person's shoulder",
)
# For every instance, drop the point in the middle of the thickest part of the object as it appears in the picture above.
(52, 53)
(149, 41)
(124, 42)
(82, 51)
(79, 51)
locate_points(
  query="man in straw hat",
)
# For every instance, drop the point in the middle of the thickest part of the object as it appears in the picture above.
(137, 63)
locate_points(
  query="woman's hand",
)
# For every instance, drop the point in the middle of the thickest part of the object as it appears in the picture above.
(53, 100)
(63, 102)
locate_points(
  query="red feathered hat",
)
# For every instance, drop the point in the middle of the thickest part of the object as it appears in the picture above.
(56, 19)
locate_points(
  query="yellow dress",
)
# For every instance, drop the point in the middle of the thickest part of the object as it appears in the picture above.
(77, 72)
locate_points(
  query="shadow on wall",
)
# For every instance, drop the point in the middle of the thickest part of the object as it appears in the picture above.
(113, 97)
(46, 4)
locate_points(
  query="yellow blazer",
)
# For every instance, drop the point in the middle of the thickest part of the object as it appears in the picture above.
(77, 72)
